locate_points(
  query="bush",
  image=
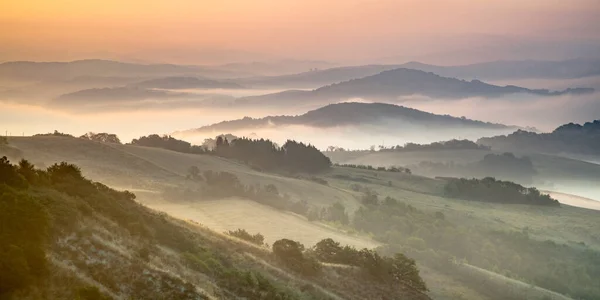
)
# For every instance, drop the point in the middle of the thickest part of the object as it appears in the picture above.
(23, 233)
(257, 239)
(291, 254)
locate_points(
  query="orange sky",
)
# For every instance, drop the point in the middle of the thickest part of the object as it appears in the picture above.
(332, 30)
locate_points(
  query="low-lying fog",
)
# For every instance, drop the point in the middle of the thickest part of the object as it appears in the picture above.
(132, 118)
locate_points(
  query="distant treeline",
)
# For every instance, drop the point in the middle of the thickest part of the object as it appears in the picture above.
(447, 145)
(491, 190)
(260, 154)
(266, 155)
(570, 138)
(394, 169)
(167, 142)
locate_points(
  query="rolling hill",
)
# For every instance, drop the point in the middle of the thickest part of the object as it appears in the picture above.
(376, 115)
(148, 171)
(568, 139)
(496, 70)
(36, 71)
(393, 84)
(186, 83)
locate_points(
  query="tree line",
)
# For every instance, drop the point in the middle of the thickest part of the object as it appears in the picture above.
(395, 169)
(446, 145)
(497, 191)
(263, 154)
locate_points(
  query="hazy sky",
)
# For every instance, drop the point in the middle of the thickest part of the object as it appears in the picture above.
(200, 31)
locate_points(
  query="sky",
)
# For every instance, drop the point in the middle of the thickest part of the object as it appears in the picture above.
(344, 31)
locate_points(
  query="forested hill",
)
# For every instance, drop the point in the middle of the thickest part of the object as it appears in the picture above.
(569, 138)
(352, 113)
(391, 84)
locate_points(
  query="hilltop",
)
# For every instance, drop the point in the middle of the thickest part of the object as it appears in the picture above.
(180, 82)
(569, 139)
(494, 70)
(350, 114)
(392, 84)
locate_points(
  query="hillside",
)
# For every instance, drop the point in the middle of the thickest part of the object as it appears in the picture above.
(566, 69)
(66, 237)
(392, 84)
(118, 94)
(552, 172)
(411, 216)
(42, 71)
(316, 78)
(353, 114)
(186, 83)
(568, 139)
(496, 70)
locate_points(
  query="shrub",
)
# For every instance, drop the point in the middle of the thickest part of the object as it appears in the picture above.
(257, 239)
(291, 254)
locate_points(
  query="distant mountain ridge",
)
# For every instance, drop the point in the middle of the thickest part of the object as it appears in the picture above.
(517, 69)
(495, 70)
(392, 84)
(348, 114)
(28, 70)
(569, 138)
(186, 82)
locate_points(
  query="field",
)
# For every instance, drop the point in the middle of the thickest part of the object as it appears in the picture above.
(231, 214)
(148, 171)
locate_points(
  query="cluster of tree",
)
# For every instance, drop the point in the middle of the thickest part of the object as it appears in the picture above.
(211, 143)
(168, 142)
(260, 154)
(335, 149)
(392, 270)
(102, 137)
(266, 155)
(569, 138)
(395, 169)
(293, 255)
(441, 244)
(257, 239)
(447, 145)
(334, 213)
(491, 190)
(3, 141)
(23, 234)
(55, 133)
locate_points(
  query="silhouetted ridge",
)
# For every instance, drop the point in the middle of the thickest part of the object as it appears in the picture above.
(568, 138)
(392, 84)
(351, 113)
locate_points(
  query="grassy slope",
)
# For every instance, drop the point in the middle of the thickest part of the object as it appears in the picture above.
(148, 170)
(567, 224)
(97, 240)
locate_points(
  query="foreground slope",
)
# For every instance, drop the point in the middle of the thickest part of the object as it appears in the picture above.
(466, 249)
(65, 237)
